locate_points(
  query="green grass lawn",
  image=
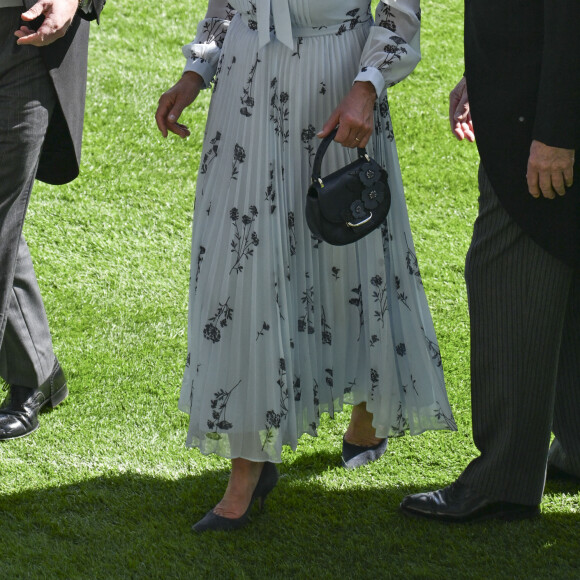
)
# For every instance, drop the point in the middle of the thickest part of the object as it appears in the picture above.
(106, 488)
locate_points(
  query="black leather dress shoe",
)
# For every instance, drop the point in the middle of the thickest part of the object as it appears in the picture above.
(554, 473)
(19, 413)
(559, 464)
(459, 503)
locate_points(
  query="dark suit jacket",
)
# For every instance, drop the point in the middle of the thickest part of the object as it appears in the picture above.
(522, 65)
(66, 60)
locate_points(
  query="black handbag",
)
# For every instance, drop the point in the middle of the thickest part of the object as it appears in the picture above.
(350, 203)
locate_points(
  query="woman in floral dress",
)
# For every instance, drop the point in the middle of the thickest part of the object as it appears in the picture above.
(282, 326)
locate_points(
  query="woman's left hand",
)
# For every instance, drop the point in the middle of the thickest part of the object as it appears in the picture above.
(354, 116)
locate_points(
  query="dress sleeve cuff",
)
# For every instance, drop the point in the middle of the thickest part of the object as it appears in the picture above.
(203, 68)
(372, 75)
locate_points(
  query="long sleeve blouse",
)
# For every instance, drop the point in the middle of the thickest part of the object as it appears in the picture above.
(391, 52)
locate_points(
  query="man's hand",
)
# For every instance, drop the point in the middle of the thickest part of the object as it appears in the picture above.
(354, 115)
(58, 15)
(173, 101)
(550, 170)
(459, 114)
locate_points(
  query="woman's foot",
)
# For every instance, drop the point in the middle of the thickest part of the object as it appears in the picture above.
(360, 429)
(360, 444)
(241, 485)
(249, 481)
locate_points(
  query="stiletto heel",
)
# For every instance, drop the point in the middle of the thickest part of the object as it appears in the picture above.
(266, 483)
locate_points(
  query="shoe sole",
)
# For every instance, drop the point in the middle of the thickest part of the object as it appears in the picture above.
(2, 438)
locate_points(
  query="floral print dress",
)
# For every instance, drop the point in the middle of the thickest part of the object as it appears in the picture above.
(282, 326)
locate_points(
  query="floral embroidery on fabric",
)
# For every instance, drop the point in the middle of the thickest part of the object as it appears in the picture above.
(329, 380)
(380, 297)
(412, 263)
(326, 329)
(223, 315)
(270, 191)
(292, 233)
(274, 419)
(263, 330)
(247, 92)
(401, 424)
(401, 296)
(374, 382)
(383, 122)
(351, 22)
(245, 239)
(307, 135)
(413, 384)
(385, 18)
(394, 51)
(239, 158)
(217, 73)
(210, 154)
(357, 301)
(299, 42)
(297, 388)
(305, 322)
(199, 261)
(440, 414)
(219, 405)
(279, 111)
(433, 349)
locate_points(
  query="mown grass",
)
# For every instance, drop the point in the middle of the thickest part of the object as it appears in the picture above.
(106, 488)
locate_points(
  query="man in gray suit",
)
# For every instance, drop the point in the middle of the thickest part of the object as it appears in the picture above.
(522, 73)
(43, 65)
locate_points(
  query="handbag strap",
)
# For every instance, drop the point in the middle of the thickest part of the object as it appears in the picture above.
(317, 165)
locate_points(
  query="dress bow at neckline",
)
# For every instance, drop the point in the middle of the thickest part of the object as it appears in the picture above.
(280, 15)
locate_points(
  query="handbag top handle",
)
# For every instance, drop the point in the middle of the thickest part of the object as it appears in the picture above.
(317, 165)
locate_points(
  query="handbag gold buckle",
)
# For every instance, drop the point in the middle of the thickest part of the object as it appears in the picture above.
(361, 222)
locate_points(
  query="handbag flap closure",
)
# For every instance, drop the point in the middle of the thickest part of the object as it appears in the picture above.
(339, 190)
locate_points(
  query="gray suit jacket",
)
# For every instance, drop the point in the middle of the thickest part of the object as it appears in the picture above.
(66, 60)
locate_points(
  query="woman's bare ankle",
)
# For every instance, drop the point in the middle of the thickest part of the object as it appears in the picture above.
(243, 479)
(360, 430)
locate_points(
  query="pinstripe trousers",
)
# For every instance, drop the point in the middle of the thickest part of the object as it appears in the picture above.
(27, 99)
(524, 308)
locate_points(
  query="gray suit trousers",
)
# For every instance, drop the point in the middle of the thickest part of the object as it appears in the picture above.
(27, 99)
(524, 308)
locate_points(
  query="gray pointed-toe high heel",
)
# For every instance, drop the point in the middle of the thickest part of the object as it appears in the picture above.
(266, 483)
(354, 456)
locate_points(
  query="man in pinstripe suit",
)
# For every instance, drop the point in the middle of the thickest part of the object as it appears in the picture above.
(523, 267)
(43, 67)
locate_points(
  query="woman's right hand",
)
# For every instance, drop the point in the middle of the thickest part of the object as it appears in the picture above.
(173, 101)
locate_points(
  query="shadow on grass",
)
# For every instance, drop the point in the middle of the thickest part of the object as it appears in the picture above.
(133, 526)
